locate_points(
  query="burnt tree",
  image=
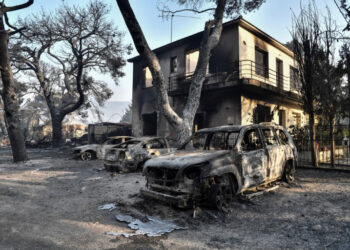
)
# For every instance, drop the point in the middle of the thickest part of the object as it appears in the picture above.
(78, 41)
(8, 93)
(183, 123)
(306, 35)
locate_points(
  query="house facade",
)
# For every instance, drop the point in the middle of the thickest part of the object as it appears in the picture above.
(251, 78)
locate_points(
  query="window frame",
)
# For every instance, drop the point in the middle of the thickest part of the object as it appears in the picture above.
(265, 69)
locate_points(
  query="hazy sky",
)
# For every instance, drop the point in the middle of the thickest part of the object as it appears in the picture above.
(274, 17)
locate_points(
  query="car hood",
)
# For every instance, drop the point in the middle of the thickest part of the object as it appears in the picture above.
(182, 158)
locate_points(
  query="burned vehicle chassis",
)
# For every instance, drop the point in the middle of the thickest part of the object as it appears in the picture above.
(218, 178)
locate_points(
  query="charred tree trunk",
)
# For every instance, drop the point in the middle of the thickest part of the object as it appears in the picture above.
(313, 139)
(10, 102)
(332, 140)
(56, 130)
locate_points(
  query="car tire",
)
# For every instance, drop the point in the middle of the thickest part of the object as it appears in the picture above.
(221, 193)
(86, 156)
(289, 171)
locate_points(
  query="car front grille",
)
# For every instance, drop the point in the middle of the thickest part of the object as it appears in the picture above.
(162, 176)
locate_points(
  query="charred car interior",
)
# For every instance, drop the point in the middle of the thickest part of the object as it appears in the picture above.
(218, 163)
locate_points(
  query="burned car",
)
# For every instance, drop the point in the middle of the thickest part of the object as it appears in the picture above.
(93, 151)
(130, 156)
(220, 163)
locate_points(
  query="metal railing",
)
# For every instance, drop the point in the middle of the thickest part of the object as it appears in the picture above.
(323, 152)
(245, 69)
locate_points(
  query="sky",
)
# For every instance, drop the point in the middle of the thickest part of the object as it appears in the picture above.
(274, 17)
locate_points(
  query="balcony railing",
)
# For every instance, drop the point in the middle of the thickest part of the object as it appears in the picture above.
(230, 73)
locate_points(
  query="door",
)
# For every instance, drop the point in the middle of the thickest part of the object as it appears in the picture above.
(275, 153)
(149, 124)
(253, 158)
(279, 73)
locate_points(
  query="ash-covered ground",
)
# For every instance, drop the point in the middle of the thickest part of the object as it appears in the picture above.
(51, 202)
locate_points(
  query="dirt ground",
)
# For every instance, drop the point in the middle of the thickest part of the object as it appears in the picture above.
(51, 201)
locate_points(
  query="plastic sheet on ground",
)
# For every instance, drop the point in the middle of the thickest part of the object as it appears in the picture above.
(152, 227)
(110, 207)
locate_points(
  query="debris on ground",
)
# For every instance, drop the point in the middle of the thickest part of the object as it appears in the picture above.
(152, 227)
(110, 207)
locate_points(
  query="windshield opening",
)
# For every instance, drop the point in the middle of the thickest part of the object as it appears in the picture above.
(213, 141)
(128, 144)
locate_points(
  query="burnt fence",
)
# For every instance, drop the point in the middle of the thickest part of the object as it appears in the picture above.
(323, 151)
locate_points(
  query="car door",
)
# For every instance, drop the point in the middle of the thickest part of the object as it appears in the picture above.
(253, 158)
(276, 153)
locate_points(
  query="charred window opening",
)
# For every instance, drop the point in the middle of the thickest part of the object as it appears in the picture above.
(173, 64)
(294, 78)
(191, 61)
(279, 73)
(149, 124)
(198, 122)
(282, 136)
(261, 62)
(262, 114)
(147, 78)
(251, 140)
(269, 137)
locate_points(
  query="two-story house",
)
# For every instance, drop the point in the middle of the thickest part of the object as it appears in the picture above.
(251, 78)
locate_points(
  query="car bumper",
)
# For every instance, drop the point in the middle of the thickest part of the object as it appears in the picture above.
(181, 201)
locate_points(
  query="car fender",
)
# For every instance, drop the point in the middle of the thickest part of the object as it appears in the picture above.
(226, 169)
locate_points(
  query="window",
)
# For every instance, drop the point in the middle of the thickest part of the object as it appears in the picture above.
(191, 61)
(223, 140)
(261, 63)
(173, 64)
(251, 140)
(282, 136)
(269, 137)
(294, 79)
(263, 114)
(147, 78)
(154, 144)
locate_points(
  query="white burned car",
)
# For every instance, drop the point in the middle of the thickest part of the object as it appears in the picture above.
(131, 155)
(93, 151)
(223, 162)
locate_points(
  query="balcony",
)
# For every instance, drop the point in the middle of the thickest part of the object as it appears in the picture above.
(244, 73)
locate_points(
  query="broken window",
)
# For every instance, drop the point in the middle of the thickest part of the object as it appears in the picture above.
(269, 137)
(251, 140)
(282, 136)
(155, 144)
(294, 78)
(261, 63)
(191, 61)
(263, 113)
(147, 77)
(173, 64)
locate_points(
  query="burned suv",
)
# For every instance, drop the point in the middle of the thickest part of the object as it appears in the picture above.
(221, 162)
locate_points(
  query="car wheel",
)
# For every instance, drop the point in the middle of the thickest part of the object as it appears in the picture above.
(86, 156)
(289, 172)
(221, 193)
